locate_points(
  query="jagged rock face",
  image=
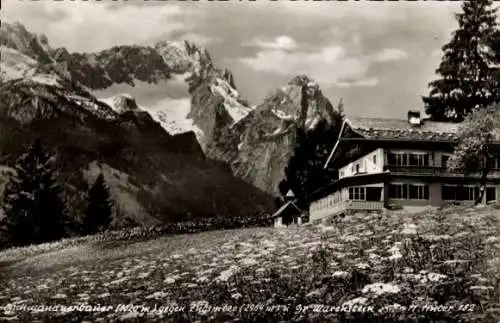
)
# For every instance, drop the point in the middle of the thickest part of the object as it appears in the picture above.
(257, 143)
(120, 64)
(17, 37)
(215, 102)
(215, 105)
(168, 176)
(260, 145)
(182, 57)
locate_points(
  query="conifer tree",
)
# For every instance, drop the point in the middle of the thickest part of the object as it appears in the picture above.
(305, 171)
(467, 78)
(98, 214)
(32, 203)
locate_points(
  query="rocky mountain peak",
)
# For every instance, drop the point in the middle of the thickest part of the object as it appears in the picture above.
(15, 36)
(259, 146)
(183, 56)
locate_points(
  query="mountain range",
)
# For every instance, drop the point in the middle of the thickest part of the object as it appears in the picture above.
(216, 156)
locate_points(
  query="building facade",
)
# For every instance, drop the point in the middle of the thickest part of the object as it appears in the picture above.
(401, 163)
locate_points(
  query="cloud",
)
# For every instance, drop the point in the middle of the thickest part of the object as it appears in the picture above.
(199, 39)
(330, 65)
(90, 26)
(389, 55)
(278, 43)
(367, 82)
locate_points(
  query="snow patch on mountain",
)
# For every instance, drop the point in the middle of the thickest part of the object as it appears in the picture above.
(121, 103)
(282, 115)
(172, 116)
(236, 110)
(93, 107)
(168, 102)
(170, 113)
(15, 65)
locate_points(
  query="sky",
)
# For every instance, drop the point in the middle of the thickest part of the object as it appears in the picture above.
(377, 56)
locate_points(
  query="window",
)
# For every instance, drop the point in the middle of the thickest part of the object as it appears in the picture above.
(408, 159)
(409, 191)
(459, 193)
(357, 193)
(421, 160)
(397, 159)
(491, 194)
(375, 159)
(444, 161)
(466, 193)
(398, 191)
(402, 159)
(448, 192)
(357, 168)
(496, 163)
(419, 191)
(341, 173)
(374, 193)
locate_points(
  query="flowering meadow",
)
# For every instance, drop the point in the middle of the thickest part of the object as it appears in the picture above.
(434, 266)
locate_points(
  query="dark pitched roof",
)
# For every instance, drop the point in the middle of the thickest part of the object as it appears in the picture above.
(397, 130)
(285, 206)
(401, 129)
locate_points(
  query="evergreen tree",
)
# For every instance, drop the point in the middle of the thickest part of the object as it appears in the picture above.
(32, 203)
(467, 78)
(98, 214)
(305, 171)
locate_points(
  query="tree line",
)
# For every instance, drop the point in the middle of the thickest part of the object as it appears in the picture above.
(34, 207)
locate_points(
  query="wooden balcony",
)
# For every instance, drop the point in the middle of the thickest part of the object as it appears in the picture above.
(435, 171)
(347, 207)
(365, 205)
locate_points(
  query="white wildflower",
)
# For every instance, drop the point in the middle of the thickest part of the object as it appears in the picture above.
(434, 277)
(395, 252)
(226, 274)
(409, 229)
(236, 296)
(314, 293)
(362, 265)
(202, 280)
(355, 301)
(59, 296)
(157, 295)
(340, 274)
(381, 288)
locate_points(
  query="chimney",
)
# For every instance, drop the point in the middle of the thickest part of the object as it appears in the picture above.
(414, 118)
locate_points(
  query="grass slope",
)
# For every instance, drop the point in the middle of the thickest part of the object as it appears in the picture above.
(375, 266)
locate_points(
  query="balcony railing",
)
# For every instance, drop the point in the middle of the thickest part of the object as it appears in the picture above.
(349, 205)
(365, 205)
(435, 171)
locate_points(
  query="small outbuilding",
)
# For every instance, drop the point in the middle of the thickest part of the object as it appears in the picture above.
(288, 213)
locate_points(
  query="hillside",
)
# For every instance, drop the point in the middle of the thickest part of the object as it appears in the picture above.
(155, 177)
(383, 264)
(255, 141)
